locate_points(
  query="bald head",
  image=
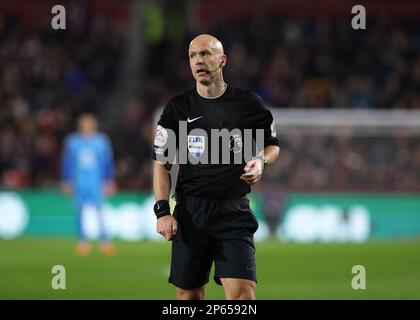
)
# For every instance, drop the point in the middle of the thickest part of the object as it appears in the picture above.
(207, 41)
(207, 58)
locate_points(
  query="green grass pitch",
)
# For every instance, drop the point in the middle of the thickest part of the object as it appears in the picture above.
(140, 271)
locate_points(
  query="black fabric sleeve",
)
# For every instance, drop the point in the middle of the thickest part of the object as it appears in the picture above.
(166, 123)
(263, 119)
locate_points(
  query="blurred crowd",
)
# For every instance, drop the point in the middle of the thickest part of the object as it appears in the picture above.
(46, 79)
(312, 63)
(316, 161)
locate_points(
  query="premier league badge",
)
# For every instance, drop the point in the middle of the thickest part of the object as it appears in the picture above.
(196, 145)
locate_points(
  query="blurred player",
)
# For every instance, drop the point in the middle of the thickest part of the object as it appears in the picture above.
(88, 175)
(212, 220)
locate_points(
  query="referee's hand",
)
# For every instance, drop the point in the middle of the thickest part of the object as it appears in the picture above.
(253, 171)
(166, 226)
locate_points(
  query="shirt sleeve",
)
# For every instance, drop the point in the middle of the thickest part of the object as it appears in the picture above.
(263, 119)
(166, 125)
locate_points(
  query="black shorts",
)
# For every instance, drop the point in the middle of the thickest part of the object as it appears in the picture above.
(212, 230)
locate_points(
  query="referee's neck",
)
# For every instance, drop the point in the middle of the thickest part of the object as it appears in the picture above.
(211, 91)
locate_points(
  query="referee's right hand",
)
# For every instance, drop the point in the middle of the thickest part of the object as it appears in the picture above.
(166, 226)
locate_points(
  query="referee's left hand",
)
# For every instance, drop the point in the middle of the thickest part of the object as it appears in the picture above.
(167, 226)
(253, 171)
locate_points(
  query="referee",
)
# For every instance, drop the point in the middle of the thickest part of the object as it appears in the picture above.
(212, 220)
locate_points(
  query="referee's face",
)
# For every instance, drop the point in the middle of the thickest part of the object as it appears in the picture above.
(206, 59)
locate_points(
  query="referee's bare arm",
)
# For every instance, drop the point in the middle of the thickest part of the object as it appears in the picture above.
(270, 154)
(165, 225)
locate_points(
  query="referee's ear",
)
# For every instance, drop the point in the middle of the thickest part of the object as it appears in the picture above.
(223, 61)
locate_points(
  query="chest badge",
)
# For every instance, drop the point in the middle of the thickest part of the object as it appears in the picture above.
(235, 143)
(196, 145)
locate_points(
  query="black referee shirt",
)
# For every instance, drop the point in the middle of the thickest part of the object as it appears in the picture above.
(234, 109)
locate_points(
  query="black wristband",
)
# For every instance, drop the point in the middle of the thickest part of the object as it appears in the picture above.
(162, 208)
